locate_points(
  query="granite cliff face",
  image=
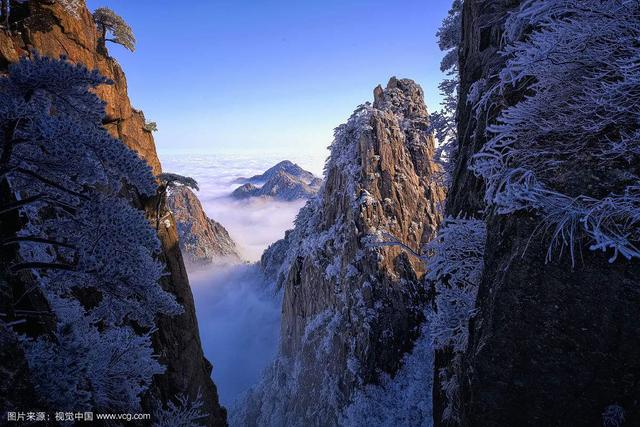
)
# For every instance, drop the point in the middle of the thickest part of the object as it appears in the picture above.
(48, 29)
(352, 307)
(202, 240)
(552, 343)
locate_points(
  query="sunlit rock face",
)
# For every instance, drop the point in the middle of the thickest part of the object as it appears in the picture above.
(202, 240)
(52, 31)
(352, 307)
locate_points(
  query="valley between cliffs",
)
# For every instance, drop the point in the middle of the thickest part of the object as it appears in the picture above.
(474, 266)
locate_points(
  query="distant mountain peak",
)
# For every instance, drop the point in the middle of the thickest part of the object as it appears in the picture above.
(286, 166)
(284, 181)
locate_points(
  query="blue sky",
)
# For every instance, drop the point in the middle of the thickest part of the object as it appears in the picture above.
(266, 75)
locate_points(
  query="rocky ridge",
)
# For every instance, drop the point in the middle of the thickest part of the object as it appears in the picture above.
(202, 240)
(46, 28)
(352, 307)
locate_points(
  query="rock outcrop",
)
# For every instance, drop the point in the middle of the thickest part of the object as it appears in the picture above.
(552, 343)
(284, 181)
(47, 28)
(202, 240)
(352, 307)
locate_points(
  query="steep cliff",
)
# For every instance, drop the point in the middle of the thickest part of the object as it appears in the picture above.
(352, 306)
(553, 342)
(202, 240)
(46, 27)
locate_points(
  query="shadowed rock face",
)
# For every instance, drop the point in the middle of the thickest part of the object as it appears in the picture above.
(284, 181)
(552, 343)
(351, 309)
(202, 240)
(53, 32)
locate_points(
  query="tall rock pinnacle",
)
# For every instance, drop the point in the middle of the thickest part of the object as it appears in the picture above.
(353, 307)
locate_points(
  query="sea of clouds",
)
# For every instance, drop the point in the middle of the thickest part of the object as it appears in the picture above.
(255, 223)
(238, 312)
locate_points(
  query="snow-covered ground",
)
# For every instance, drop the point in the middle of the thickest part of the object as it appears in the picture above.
(238, 316)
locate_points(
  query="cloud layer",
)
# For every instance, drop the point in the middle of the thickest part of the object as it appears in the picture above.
(238, 314)
(239, 320)
(255, 223)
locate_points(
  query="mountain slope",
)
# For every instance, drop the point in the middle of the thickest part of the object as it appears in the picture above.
(281, 186)
(352, 307)
(202, 240)
(284, 181)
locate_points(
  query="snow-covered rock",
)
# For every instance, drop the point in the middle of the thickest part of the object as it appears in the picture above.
(352, 307)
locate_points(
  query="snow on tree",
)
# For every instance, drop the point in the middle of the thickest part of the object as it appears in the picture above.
(172, 180)
(68, 176)
(613, 416)
(72, 7)
(151, 126)
(580, 64)
(184, 412)
(405, 399)
(108, 22)
(443, 122)
(454, 266)
(90, 368)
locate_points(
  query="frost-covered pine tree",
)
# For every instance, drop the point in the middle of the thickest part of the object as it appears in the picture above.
(454, 267)
(569, 149)
(110, 23)
(443, 122)
(91, 255)
(168, 182)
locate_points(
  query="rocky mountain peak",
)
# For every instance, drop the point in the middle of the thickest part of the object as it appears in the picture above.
(403, 97)
(352, 307)
(285, 181)
(285, 166)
